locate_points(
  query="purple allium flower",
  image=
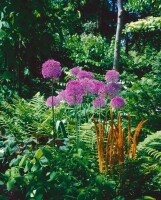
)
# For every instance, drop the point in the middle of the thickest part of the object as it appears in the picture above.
(97, 86)
(74, 71)
(74, 92)
(88, 86)
(77, 99)
(117, 102)
(99, 102)
(112, 76)
(90, 75)
(110, 90)
(51, 69)
(49, 101)
(61, 95)
(84, 74)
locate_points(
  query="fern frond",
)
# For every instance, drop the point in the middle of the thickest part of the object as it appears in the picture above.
(153, 153)
(152, 141)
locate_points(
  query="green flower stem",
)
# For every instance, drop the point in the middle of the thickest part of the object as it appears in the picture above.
(106, 118)
(53, 120)
(80, 117)
(86, 106)
(76, 125)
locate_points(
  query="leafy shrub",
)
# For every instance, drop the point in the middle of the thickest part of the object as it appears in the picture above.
(143, 96)
(143, 175)
(90, 51)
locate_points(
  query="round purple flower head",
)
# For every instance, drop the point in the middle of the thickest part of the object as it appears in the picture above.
(112, 76)
(110, 90)
(99, 102)
(74, 71)
(74, 92)
(49, 101)
(61, 95)
(117, 102)
(51, 69)
(97, 86)
(84, 74)
(88, 86)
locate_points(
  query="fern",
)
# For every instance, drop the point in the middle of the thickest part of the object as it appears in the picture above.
(153, 141)
(153, 153)
(21, 117)
(88, 136)
(151, 146)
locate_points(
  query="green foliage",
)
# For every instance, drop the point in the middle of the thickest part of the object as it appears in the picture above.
(90, 51)
(22, 118)
(143, 175)
(46, 172)
(143, 98)
(30, 33)
(141, 62)
(140, 177)
(151, 146)
(148, 24)
(31, 168)
(34, 169)
(144, 6)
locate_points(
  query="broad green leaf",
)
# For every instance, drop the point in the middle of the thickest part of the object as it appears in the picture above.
(35, 167)
(23, 160)
(27, 166)
(99, 179)
(2, 34)
(52, 175)
(10, 184)
(38, 153)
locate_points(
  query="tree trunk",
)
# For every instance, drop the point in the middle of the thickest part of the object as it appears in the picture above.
(118, 36)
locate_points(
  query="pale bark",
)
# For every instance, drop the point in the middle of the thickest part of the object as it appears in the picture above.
(118, 36)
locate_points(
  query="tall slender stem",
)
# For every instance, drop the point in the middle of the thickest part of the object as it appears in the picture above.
(76, 125)
(106, 120)
(86, 107)
(53, 121)
(100, 114)
(85, 110)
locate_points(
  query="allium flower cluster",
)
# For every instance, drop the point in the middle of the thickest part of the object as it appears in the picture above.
(61, 96)
(110, 90)
(84, 74)
(51, 69)
(74, 92)
(99, 102)
(97, 86)
(117, 102)
(74, 71)
(88, 86)
(49, 101)
(112, 76)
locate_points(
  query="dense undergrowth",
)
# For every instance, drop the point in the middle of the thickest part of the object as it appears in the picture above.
(36, 163)
(32, 168)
